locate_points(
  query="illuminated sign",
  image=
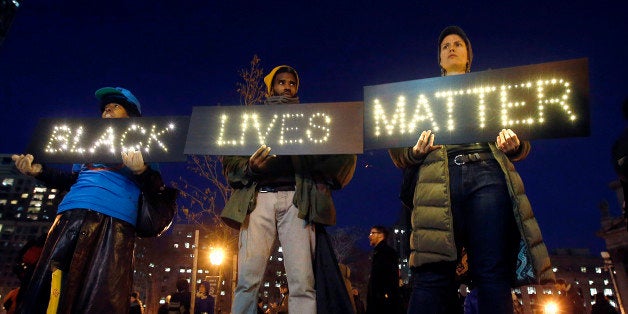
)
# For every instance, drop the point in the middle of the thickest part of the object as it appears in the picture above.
(102, 140)
(298, 129)
(546, 100)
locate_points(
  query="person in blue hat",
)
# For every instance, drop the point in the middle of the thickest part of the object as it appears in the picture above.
(87, 262)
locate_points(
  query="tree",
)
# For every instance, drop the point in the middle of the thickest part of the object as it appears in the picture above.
(201, 204)
(201, 200)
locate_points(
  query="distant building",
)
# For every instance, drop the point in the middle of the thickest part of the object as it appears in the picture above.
(614, 231)
(27, 209)
(160, 262)
(400, 235)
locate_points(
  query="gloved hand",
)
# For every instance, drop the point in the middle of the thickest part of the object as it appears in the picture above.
(134, 161)
(24, 163)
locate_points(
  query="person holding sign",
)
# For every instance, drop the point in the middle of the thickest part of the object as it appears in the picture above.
(468, 196)
(282, 196)
(87, 261)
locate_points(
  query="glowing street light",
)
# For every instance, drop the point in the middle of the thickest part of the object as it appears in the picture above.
(551, 308)
(216, 256)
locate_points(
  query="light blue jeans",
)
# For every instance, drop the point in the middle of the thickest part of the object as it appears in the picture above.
(275, 215)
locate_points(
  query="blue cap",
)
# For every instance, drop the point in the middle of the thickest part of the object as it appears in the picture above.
(119, 92)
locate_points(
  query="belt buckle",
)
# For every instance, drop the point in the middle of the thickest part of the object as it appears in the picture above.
(459, 160)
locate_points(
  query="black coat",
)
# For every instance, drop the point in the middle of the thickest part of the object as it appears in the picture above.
(383, 294)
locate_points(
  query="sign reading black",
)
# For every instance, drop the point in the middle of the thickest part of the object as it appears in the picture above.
(298, 129)
(546, 100)
(160, 139)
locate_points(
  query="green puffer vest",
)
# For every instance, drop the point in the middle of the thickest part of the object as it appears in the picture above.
(432, 237)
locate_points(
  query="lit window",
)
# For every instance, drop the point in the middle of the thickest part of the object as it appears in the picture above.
(608, 292)
(592, 291)
(24, 195)
(51, 196)
(187, 245)
(606, 282)
(280, 249)
(598, 270)
(167, 269)
(176, 245)
(583, 269)
(590, 282)
(531, 290)
(555, 269)
(8, 181)
(267, 284)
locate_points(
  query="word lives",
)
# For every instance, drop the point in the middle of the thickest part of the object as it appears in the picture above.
(321, 128)
(287, 128)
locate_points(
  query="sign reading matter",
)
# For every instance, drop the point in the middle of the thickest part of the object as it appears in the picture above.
(102, 140)
(298, 129)
(547, 100)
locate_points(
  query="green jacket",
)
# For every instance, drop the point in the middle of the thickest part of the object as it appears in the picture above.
(315, 177)
(432, 237)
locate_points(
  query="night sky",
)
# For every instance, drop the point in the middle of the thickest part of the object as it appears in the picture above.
(174, 56)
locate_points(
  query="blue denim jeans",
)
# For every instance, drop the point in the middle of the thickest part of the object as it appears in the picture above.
(484, 224)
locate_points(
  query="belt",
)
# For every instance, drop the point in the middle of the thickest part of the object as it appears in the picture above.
(276, 188)
(475, 157)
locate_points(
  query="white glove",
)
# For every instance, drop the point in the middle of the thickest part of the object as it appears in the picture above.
(24, 163)
(134, 161)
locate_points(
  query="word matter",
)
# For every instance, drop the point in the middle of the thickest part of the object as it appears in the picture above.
(102, 140)
(539, 101)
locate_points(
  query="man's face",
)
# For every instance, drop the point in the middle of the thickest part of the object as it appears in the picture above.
(285, 84)
(453, 54)
(375, 237)
(113, 110)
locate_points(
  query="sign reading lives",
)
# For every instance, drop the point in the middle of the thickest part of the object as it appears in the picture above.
(546, 100)
(102, 140)
(298, 129)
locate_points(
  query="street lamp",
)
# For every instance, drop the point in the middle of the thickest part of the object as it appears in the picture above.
(216, 256)
(551, 308)
(608, 265)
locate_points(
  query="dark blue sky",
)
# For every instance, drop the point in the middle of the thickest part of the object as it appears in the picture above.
(174, 56)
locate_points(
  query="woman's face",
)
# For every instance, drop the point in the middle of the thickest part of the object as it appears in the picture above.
(453, 55)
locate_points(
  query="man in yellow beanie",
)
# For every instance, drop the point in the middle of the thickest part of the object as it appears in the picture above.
(282, 85)
(284, 196)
